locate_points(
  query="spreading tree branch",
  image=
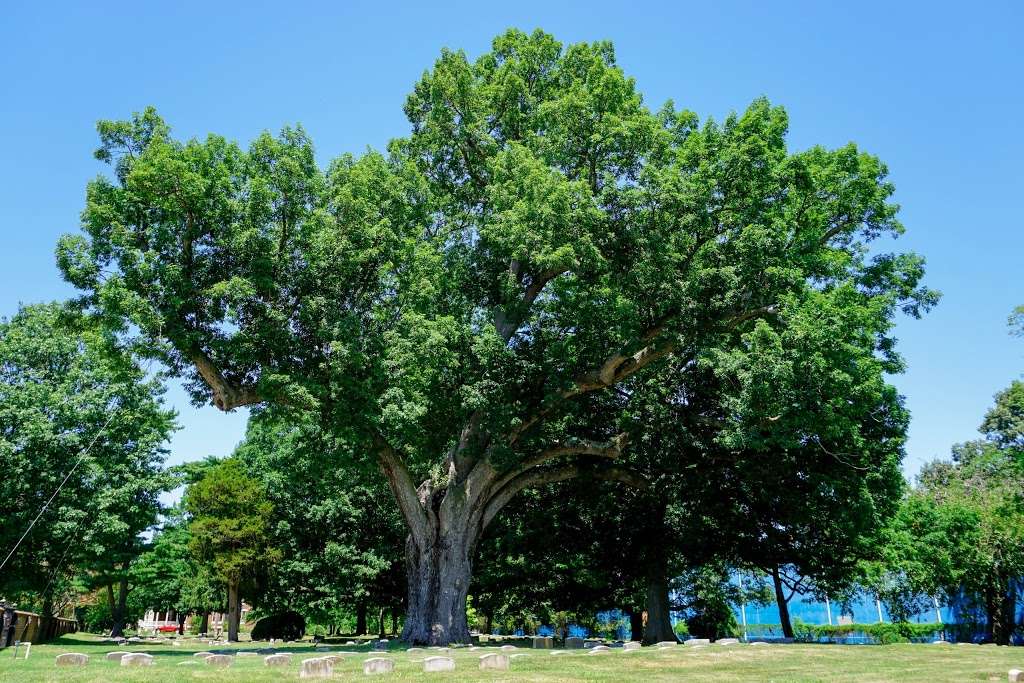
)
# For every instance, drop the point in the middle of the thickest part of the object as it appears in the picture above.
(226, 396)
(550, 475)
(405, 492)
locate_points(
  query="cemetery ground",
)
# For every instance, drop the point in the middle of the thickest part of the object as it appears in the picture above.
(796, 662)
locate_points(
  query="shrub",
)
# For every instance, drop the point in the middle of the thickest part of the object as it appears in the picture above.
(283, 626)
(882, 633)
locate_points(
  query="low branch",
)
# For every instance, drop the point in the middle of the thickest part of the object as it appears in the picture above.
(550, 475)
(611, 449)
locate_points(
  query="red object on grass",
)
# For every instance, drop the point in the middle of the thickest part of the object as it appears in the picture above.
(168, 629)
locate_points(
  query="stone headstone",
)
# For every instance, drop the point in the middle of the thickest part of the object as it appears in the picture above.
(176, 643)
(574, 643)
(599, 650)
(334, 659)
(495, 662)
(666, 643)
(543, 642)
(202, 654)
(246, 653)
(727, 641)
(137, 659)
(116, 656)
(759, 643)
(378, 665)
(697, 641)
(351, 642)
(1016, 676)
(415, 650)
(277, 660)
(631, 645)
(508, 648)
(318, 667)
(439, 664)
(71, 659)
(219, 661)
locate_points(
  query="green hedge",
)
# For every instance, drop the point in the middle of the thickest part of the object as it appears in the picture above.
(884, 633)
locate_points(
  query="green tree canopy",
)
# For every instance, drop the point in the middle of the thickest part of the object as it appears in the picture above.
(340, 536)
(74, 405)
(231, 519)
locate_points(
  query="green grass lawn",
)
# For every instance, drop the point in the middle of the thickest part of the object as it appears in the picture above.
(930, 663)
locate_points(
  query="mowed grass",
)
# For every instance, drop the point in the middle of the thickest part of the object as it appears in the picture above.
(932, 663)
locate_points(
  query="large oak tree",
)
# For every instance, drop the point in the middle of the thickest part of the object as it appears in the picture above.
(464, 305)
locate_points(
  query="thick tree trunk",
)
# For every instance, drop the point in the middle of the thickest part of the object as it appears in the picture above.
(394, 621)
(439, 569)
(204, 624)
(234, 611)
(380, 623)
(659, 622)
(780, 598)
(636, 623)
(182, 616)
(361, 619)
(1000, 605)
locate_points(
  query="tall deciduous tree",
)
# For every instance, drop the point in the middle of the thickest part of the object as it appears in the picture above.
(334, 521)
(230, 530)
(74, 404)
(461, 306)
(961, 532)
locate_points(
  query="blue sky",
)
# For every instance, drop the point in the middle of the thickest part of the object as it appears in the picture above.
(933, 88)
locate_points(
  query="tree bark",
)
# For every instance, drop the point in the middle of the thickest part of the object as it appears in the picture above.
(659, 621)
(380, 623)
(361, 619)
(204, 624)
(780, 598)
(182, 616)
(234, 611)
(394, 621)
(1000, 605)
(119, 608)
(439, 572)
(46, 625)
(636, 624)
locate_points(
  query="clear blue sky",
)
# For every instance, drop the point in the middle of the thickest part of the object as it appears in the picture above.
(936, 89)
